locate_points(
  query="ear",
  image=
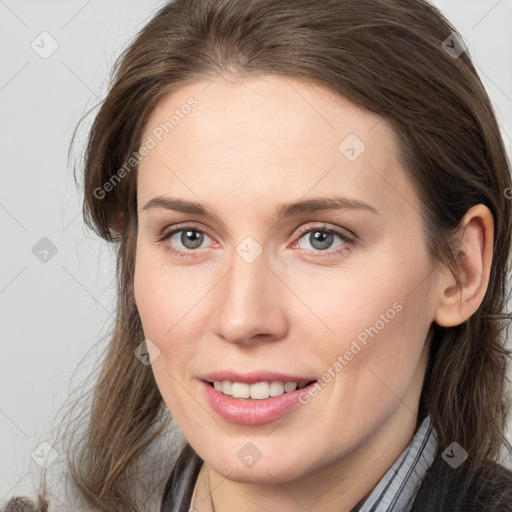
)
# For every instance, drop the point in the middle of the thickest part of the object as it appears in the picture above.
(473, 264)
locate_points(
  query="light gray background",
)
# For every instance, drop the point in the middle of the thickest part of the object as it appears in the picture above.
(54, 313)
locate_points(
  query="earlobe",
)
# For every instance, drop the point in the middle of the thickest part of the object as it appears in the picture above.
(474, 260)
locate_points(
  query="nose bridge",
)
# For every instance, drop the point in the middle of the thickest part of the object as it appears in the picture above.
(247, 298)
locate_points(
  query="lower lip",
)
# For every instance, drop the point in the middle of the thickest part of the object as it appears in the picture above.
(251, 411)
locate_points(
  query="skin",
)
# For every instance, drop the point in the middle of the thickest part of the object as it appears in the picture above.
(249, 145)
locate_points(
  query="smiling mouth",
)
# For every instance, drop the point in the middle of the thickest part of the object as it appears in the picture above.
(258, 390)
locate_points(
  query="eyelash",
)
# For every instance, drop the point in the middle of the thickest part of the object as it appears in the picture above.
(190, 253)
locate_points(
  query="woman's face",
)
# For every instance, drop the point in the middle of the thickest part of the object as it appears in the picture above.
(258, 290)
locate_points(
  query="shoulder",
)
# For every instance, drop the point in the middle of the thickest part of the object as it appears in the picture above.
(492, 486)
(24, 504)
(489, 488)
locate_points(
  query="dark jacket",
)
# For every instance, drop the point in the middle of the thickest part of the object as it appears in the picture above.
(446, 489)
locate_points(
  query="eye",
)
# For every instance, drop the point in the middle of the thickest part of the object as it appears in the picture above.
(321, 239)
(190, 237)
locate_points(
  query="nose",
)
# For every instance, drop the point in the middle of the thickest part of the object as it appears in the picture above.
(251, 301)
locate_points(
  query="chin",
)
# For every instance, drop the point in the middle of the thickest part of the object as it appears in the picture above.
(261, 473)
(283, 466)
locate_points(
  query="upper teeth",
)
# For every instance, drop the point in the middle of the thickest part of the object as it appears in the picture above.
(259, 390)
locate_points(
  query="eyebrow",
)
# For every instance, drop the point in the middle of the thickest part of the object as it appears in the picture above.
(282, 211)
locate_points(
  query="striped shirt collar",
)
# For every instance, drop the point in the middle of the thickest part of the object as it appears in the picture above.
(397, 488)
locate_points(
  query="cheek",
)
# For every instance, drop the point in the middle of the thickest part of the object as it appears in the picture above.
(160, 309)
(376, 325)
(371, 308)
(381, 352)
(160, 295)
(170, 308)
(150, 298)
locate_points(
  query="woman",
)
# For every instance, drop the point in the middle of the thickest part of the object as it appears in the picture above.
(311, 206)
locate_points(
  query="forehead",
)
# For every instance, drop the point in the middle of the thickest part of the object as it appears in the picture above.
(247, 137)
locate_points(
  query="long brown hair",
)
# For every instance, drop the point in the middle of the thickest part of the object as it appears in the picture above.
(386, 56)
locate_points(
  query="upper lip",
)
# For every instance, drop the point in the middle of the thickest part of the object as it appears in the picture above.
(255, 376)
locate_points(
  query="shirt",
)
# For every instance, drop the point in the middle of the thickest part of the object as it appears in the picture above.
(395, 490)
